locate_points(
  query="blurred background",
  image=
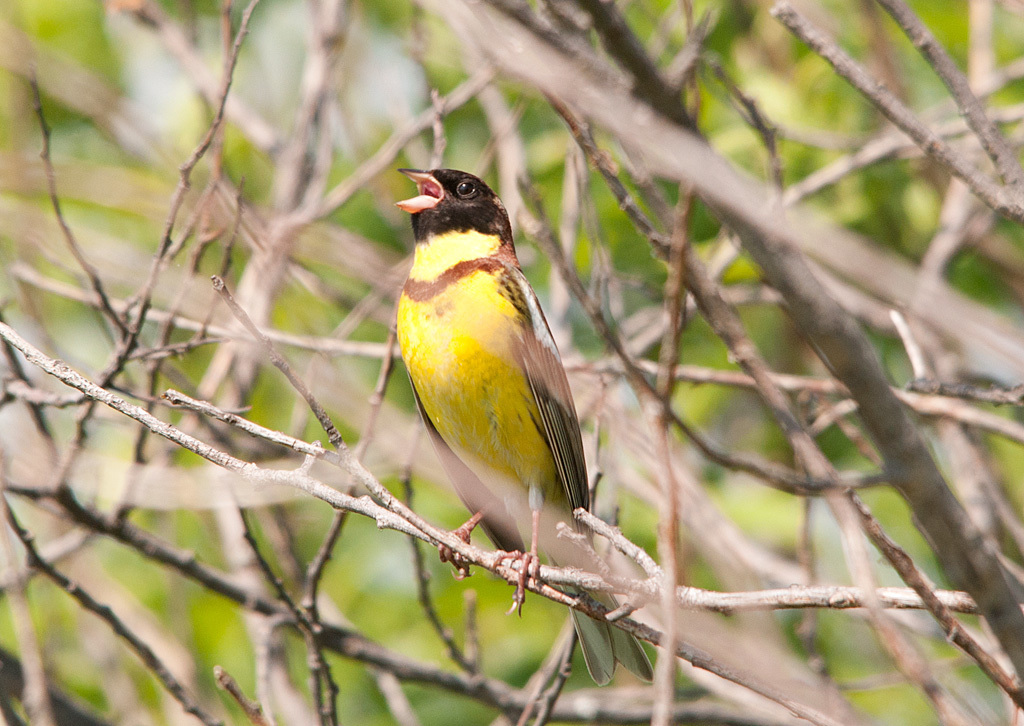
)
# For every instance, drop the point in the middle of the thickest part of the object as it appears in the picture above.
(151, 180)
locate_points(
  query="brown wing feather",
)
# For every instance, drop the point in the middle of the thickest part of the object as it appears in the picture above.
(543, 367)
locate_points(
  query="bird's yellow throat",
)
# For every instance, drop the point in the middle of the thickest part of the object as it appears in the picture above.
(443, 251)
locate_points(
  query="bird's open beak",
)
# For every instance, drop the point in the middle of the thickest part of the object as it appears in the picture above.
(431, 192)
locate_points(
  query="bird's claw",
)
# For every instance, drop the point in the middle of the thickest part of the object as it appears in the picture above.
(447, 554)
(528, 568)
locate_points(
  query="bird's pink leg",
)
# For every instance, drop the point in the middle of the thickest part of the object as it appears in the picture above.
(530, 564)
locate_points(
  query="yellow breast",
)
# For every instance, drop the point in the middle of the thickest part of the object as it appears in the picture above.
(458, 347)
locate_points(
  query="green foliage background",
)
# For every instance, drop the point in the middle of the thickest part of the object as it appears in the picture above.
(99, 66)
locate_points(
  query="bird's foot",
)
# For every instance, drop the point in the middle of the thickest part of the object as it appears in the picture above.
(447, 554)
(529, 567)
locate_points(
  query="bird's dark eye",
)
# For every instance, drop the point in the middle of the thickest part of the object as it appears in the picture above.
(466, 190)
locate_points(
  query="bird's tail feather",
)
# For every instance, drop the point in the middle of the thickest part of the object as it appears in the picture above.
(603, 644)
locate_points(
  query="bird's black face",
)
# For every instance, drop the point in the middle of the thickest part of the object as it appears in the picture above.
(454, 201)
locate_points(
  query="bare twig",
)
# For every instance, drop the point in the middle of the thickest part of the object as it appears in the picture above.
(562, 668)
(327, 346)
(556, 665)
(938, 58)
(35, 696)
(1010, 683)
(910, 344)
(51, 184)
(143, 296)
(252, 710)
(254, 126)
(141, 649)
(440, 142)
(987, 394)
(386, 152)
(889, 144)
(668, 521)
(281, 364)
(931, 143)
(622, 44)
(314, 572)
(322, 685)
(461, 657)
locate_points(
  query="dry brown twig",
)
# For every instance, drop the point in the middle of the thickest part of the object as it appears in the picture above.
(252, 710)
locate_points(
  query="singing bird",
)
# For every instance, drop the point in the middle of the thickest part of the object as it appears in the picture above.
(492, 392)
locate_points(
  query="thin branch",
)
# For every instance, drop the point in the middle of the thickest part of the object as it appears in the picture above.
(51, 184)
(955, 632)
(136, 644)
(668, 520)
(982, 394)
(931, 143)
(890, 144)
(910, 344)
(390, 149)
(556, 670)
(462, 658)
(623, 45)
(252, 710)
(995, 145)
(35, 697)
(314, 572)
(319, 674)
(143, 296)
(280, 363)
(257, 129)
(327, 346)
(437, 127)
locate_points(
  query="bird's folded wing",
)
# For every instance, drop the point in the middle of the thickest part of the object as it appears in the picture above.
(539, 358)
